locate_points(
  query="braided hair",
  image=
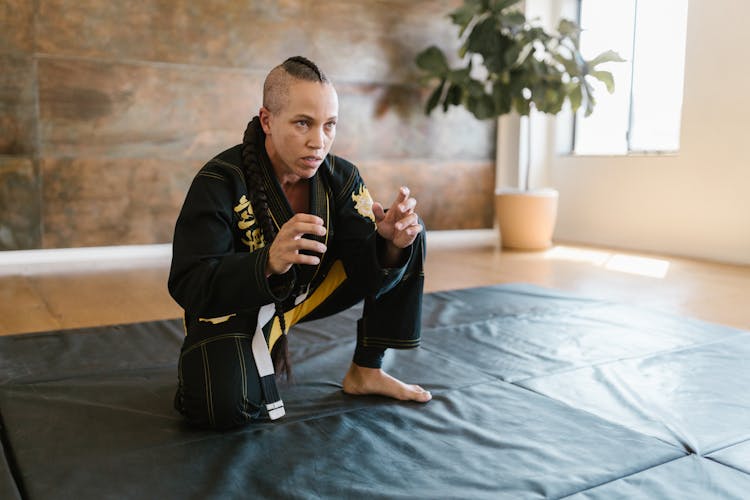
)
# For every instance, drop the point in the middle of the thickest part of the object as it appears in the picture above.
(275, 90)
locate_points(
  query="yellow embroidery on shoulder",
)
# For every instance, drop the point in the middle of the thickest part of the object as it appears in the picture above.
(217, 320)
(242, 205)
(363, 203)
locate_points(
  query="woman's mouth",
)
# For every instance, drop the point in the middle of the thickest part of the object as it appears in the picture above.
(312, 161)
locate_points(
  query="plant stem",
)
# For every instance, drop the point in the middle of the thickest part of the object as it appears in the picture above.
(527, 174)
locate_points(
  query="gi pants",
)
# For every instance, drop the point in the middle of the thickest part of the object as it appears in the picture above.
(219, 385)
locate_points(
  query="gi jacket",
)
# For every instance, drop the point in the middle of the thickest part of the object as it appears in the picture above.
(219, 254)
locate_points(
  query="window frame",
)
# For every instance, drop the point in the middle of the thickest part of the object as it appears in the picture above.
(629, 151)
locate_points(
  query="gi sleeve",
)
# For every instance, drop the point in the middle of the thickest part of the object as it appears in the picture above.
(208, 277)
(359, 243)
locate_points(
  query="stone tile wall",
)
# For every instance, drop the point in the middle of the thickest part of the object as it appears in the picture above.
(107, 109)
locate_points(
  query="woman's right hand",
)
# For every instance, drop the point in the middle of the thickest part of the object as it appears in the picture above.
(285, 248)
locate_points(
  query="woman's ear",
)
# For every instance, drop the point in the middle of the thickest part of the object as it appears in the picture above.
(265, 119)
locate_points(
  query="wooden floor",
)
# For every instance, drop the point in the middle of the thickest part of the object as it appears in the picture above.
(76, 293)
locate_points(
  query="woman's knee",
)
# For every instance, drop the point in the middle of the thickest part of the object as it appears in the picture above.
(219, 412)
(219, 387)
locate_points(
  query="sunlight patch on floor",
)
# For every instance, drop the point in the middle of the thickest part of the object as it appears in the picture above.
(630, 264)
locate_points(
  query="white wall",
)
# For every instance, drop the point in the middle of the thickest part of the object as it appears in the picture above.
(695, 203)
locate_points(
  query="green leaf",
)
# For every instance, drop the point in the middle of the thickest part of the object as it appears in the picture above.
(606, 78)
(575, 97)
(537, 95)
(537, 67)
(536, 35)
(589, 100)
(502, 98)
(463, 50)
(524, 54)
(434, 99)
(497, 57)
(589, 106)
(483, 38)
(481, 107)
(607, 56)
(522, 106)
(526, 66)
(452, 97)
(555, 97)
(495, 63)
(568, 28)
(513, 53)
(475, 88)
(547, 95)
(558, 104)
(551, 95)
(551, 107)
(498, 6)
(460, 76)
(513, 20)
(518, 81)
(569, 64)
(463, 15)
(433, 61)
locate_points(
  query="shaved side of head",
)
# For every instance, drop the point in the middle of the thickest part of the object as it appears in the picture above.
(280, 78)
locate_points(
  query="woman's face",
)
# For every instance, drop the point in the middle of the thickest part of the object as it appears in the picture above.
(301, 133)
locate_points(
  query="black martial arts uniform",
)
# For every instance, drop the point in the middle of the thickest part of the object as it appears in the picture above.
(218, 277)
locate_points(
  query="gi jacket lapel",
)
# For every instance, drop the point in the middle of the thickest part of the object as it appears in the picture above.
(281, 211)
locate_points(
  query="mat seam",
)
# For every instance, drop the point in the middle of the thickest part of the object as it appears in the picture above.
(82, 402)
(727, 465)
(681, 447)
(567, 495)
(630, 358)
(594, 415)
(717, 450)
(94, 374)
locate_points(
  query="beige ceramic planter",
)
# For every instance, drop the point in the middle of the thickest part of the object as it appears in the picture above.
(526, 218)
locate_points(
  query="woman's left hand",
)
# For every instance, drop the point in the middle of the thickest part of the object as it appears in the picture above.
(400, 224)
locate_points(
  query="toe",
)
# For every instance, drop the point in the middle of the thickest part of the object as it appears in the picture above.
(421, 395)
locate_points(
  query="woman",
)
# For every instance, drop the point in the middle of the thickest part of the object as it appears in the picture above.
(276, 231)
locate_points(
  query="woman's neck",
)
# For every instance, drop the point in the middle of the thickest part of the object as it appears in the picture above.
(297, 194)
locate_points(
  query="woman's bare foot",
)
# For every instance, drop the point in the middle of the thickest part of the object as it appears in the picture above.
(360, 380)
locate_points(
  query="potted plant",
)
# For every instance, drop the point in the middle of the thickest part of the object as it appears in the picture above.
(515, 65)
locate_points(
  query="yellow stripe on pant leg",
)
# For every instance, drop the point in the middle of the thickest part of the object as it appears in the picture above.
(332, 281)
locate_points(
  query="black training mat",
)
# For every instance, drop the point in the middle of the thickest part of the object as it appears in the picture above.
(536, 394)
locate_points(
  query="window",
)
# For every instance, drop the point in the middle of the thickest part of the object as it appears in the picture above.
(643, 114)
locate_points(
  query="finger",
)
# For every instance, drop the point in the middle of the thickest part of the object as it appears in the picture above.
(405, 238)
(314, 229)
(378, 211)
(409, 220)
(414, 230)
(408, 205)
(403, 194)
(311, 245)
(300, 258)
(299, 228)
(307, 218)
(403, 191)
